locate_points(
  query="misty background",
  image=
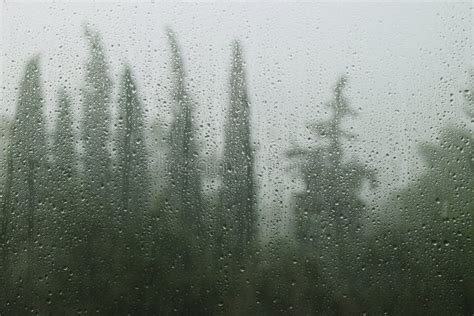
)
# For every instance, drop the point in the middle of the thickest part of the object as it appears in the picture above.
(406, 64)
(236, 158)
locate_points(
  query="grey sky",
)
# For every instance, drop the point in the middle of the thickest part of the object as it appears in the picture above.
(403, 61)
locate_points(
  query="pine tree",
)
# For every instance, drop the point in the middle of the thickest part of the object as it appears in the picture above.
(332, 184)
(239, 193)
(328, 212)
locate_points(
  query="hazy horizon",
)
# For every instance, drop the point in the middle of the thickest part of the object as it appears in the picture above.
(406, 64)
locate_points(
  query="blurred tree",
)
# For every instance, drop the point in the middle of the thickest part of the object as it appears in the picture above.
(96, 98)
(96, 217)
(131, 150)
(26, 181)
(239, 192)
(64, 156)
(76, 237)
(132, 175)
(63, 207)
(437, 218)
(5, 215)
(185, 195)
(236, 218)
(329, 211)
(5, 129)
(182, 233)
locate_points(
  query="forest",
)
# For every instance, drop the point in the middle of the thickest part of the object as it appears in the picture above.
(89, 226)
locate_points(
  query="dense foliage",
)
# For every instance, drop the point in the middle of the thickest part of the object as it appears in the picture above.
(84, 228)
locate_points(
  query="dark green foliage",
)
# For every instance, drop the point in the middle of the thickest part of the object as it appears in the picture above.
(184, 208)
(28, 147)
(96, 99)
(6, 202)
(426, 257)
(131, 153)
(26, 199)
(64, 172)
(5, 221)
(238, 194)
(422, 262)
(185, 195)
(83, 231)
(62, 187)
(236, 215)
(436, 223)
(329, 211)
(333, 183)
(95, 187)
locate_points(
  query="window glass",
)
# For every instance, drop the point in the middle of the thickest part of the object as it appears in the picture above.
(236, 158)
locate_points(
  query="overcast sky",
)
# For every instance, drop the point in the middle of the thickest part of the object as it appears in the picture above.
(403, 60)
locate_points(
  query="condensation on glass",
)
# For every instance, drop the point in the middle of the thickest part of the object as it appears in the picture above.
(236, 158)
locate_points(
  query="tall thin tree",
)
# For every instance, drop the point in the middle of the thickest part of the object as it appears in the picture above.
(239, 192)
(96, 99)
(97, 202)
(328, 212)
(185, 195)
(131, 150)
(64, 152)
(28, 168)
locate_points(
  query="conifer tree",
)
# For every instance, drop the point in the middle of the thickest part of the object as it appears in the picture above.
(63, 208)
(64, 153)
(437, 203)
(238, 194)
(131, 150)
(185, 195)
(328, 212)
(132, 181)
(96, 99)
(332, 183)
(96, 218)
(187, 231)
(27, 169)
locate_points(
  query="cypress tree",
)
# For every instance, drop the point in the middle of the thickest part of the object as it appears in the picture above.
(131, 150)
(64, 153)
(96, 218)
(27, 169)
(238, 194)
(63, 231)
(185, 194)
(132, 193)
(96, 98)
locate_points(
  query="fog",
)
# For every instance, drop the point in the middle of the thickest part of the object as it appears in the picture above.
(237, 158)
(406, 64)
